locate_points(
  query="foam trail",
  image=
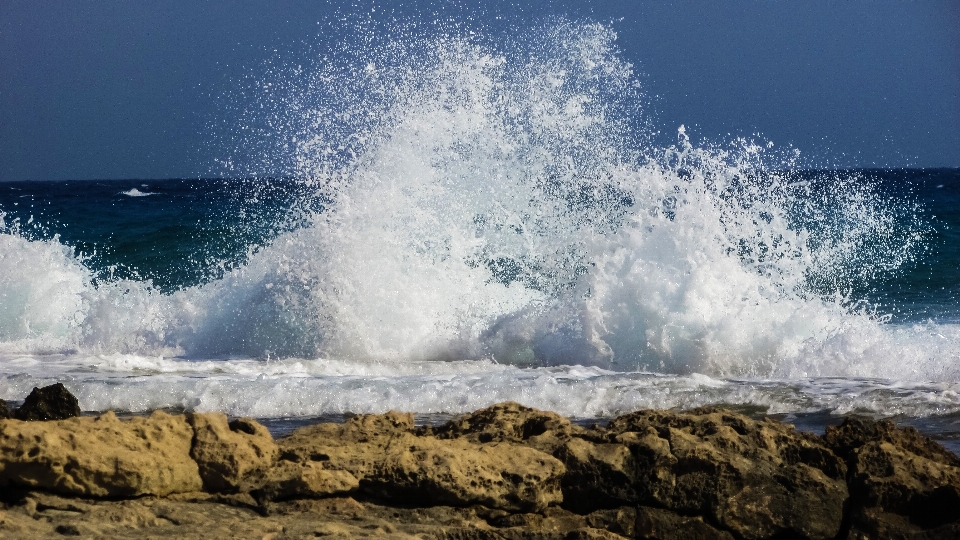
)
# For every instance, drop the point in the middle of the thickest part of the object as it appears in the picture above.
(297, 388)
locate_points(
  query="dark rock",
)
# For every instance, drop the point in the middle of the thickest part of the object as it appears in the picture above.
(902, 484)
(52, 402)
(67, 530)
(756, 479)
(622, 521)
(664, 525)
(4, 411)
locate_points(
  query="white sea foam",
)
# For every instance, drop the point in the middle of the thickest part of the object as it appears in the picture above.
(134, 192)
(294, 388)
(499, 208)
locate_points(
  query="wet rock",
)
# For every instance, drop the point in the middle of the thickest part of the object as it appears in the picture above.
(393, 463)
(228, 452)
(902, 484)
(52, 402)
(757, 479)
(100, 457)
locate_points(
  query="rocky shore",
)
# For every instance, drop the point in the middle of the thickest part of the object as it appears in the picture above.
(506, 471)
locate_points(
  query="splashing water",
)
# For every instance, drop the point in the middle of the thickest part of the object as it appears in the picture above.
(502, 203)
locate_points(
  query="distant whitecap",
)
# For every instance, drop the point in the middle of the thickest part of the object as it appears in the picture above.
(136, 193)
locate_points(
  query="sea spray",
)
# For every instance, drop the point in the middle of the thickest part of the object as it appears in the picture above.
(463, 199)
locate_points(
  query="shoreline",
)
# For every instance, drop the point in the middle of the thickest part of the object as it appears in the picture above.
(505, 471)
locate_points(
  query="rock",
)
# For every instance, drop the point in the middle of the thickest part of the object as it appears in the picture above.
(52, 402)
(101, 457)
(756, 479)
(506, 471)
(228, 452)
(393, 463)
(455, 472)
(666, 525)
(901, 483)
(195, 516)
(4, 411)
(504, 422)
(337, 444)
(288, 480)
(622, 521)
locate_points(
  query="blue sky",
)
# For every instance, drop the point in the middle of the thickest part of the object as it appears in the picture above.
(119, 89)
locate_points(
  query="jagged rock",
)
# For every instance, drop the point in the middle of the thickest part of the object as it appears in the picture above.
(654, 523)
(334, 443)
(622, 521)
(287, 480)
(4, 411)
(101, 457)
(227, 452)
(391, 462)
(52, 402)
(504, 422)
(455, 472)
(189, 516)
(506, 471)
(756, 479)
(902, 484)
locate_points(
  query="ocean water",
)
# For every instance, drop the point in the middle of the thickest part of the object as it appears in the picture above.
(439, 222)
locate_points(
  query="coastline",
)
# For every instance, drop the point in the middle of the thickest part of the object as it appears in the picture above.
(506, 471)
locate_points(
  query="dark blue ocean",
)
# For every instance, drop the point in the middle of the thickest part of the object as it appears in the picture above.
(439, 232)
(181, 233)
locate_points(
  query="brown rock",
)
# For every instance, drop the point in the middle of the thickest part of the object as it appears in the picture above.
(100, 457)
(287, 480)
(455, 472)
(226, 453)
(505, 422)
(901, 483)
(622, 521)
(393, 463)
(666, 525)
(756, 479)
(191, 516)
(52, 402)
(336, 445)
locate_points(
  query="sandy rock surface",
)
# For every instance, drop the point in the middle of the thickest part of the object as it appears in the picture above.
(101, 457)
(391, 462)
(507, 471)
(227, 453)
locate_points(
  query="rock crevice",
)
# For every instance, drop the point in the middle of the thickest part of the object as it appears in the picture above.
(507, 471)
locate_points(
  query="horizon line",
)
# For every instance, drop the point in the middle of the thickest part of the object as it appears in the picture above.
(282, 177)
